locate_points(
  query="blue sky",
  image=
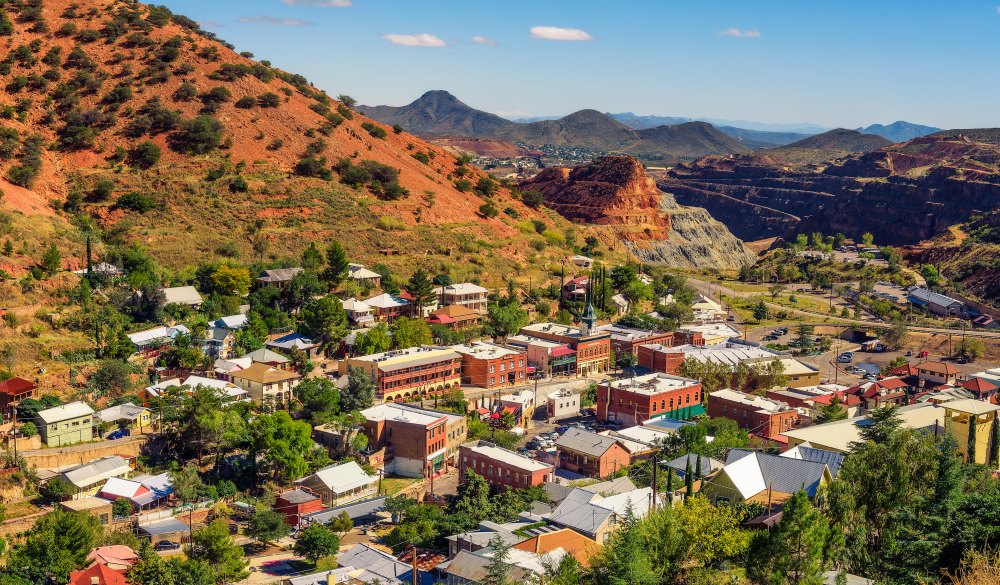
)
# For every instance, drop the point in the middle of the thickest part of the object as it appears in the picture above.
(846, 63)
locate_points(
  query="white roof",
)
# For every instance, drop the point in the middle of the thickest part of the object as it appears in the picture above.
(642, 434)
(344, 477)
(705, 304)
(64, 412)
(838, 435)
(461, 288)
(127, 411)
(524, 397)
(359, 272)
(746, 476)
(102, 268)
(232, 321)
(620, 300)
(353, 305)
(527, 340)
(553, 328)
(386, 301)
(710, 329)
(241, 363)
(159, 387)
(406, 413)
(195, 381)
(182, 295)
(141, 337)
(653, 384)
(485, 351)
(98, 470)
(504, 456)
(121, 488)
(758, 403)
(729, 354)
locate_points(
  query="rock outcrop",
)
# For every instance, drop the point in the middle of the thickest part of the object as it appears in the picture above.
(614, 191)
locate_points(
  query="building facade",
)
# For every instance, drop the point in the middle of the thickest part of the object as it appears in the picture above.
(592, 348)
(464, 294)
(492, 366)
(630, 401)
(412, 441)
(65, 425)
(266, 384)
(759, 416)
(407, 373)
(502, 469)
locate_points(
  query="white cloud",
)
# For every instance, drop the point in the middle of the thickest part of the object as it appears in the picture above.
(210, 24)
(555, 33)
(270, 20)
(319, 3)
(741, 34)
(417, 40)
(484, 41)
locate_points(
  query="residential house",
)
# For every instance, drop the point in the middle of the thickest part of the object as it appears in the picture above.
(591, 454)
(412, 441)
(520, 405)
(291, 342)
(488, 365)
(707, 310)
(597, 516)
(340, 484)
(116, 556)
(563, 404)
(592, 347)
(223, 368)
(278, 278)
(630, 401)
(228, 391)
(145, 492)
(219, 343)
(102, 268)
(88, 479)
(832, 459)
(582, 261)
(358, 312)
(805, 396)
(65, 425)
(13, 391)
(758, 415)
(502, 468)
(576, 289)
(753, 476)
(404, 373)
(463, 294)
(937, 374)
(454, 317)
(129, 416)
(98, 574)
(628, 339)
(936, 304)
(479, 538)
(680, 465)
(620, 304)
(361, 512)
(234, 322)
(93, 506)
(149, 343)
(569, 541)
(961, 415)
(981, 389)
(267, 384)
(171, 530)
(387, 308)
(296, 503)
(268, 357)
(850, 403)
(838, 435)
(885, 392)
(182, 295)
(381, 567)
(364, 277)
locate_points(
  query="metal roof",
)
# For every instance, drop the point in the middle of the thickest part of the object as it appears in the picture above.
(168, 526)
(586, 442)
(95, 471)
(64, 412)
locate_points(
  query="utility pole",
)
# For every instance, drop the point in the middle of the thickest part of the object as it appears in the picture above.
(656, 464)
(414, 551)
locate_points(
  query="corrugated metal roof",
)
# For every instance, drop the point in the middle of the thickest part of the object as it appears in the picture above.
(585, 442)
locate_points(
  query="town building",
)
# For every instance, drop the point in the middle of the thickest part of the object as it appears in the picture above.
(753, 476)
(626, 340)
(219, 343)
(670, 360)
(545, 358)
(520, 405)
(413, 372)
(13, 391)
(960, 416)
(463, 294)
(267, 384)
(65, 425)
(885, 392)
(591, 454)
(592, 348)
(296, 503)
(630, 401)
(488, 365)
(839, 435)
(758, 415)
(502, 469)
(805, 396)
(563, 404)
(182, 295)
(278, 278)
(597, 516)
(936, 303)
(292, 342)
(707, 310)
(386, 307)
(93, 506)
(937, 374)
(149, 343)
(145, 492)
(454, 317)
(171, 530)
(576, 289)
(412, 441)
(340, 484)
(711, 333)
(87, 479)
(363, 277)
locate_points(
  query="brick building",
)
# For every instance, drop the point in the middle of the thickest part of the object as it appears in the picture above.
(293, 504)
(760, 416)
(627, 339)
(630, 401)
(660, 358)
(412, 441)
(502, 468)
(591, 454)
(407, 373)
(492, 366)
(592, 347)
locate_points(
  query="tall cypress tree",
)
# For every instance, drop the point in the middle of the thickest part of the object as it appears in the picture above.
(972, 438)
(697, 468)
(688, 479)
(994, 444)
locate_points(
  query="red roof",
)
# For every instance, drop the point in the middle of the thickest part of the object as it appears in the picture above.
(562, 351)
(482, 410)
(15, 386)
(405, 295)
(904, 370)
(441, 318)
(510, 409)
(582, 280)
(938, 368)
(845, 400)
(105, 576)
(979, 385)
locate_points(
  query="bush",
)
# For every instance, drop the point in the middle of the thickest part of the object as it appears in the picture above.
(198, 136)
(186, 92)
(269, 100)
(397, 129)
(422, 157)
(375, 130)
(245, 103)
(312, 166)
(391, 223)
(486, 187)
(144, 155)
(135, 201)
(345, 112)
(488, 210)
(213, 98)
(533, 199)
(511, 212)
(238, 185)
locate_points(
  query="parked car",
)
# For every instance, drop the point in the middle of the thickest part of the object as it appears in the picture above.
(844, 359)
(533, 445)
(562, 429)
(119, 434)
(731, 318)
(166, 545)
(922, 354)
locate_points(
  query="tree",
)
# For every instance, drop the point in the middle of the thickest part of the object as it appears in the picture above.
(625, 561)
(994, 455)
(867, 239)
(213, 546)
(504, 319)
(421, 289)
(57, 544)
(325, 321)
(359, 393)
(882, 424)
(971, 447)
(711, 533)
(832, 411)
(688, 479)
(794, 552)
(29, 429)
(51, 260)
(315, 542)
(410, 333)
(121, 508)
(57, 489)
(533, 199)
(231, 280)
(776, 289)
(266, 525)
(144, 155)
(473, 497)
(312, 258)
(280, 446)
(347, 100)
(759, 311)
(497, 568)
(969, 348)
(320, 399)
(375, 340)
(253, 335)
(336, 264)
(896, 335)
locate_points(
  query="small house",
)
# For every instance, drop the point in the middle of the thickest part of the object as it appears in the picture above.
(340, 484)
(182, 295)
(278, 278)
(65, 425)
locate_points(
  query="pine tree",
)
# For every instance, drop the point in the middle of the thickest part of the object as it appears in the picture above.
(90, 266)
(8, 248)
(52, 260)
(421, 289)
(336, 260)
(497, 569)
(795, 548)
(670, 481)
(973, 419)
(312, 258)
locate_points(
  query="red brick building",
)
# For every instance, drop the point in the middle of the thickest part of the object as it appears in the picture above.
(630, 401)
(492, 366)
(592, 347)
(591, 454)
(412, 441)
(628, 340)
(759, 416)
(294, 504)
(501, 468)
(13, 391)
(408, 373)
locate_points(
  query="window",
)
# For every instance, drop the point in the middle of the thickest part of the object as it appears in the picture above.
(492, 369)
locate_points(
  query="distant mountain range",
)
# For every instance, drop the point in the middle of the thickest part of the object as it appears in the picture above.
(899, 131)
(664, 139)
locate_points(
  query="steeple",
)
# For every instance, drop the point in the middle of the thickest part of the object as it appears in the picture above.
(589, 317)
